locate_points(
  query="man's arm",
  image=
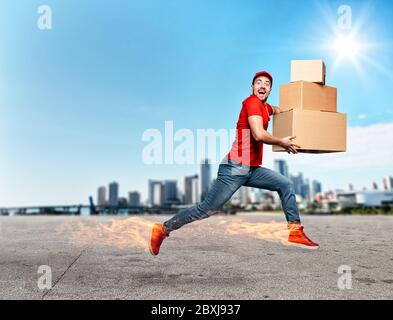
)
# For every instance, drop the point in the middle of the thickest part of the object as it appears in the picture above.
(260, 134)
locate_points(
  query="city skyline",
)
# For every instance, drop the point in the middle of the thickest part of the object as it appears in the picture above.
(184, 191)
(76, 100)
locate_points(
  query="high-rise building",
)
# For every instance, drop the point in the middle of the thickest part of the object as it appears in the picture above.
(316, 188)
(245, 197)
(170, 192)
(205, 178)
(195, 190)
(113, 194)
(256, 195)
(156, 193)
(306, 190)
(134, 199)
(101, 196)
(281, 167)
(375, 186)
(297, 183)
(190, 193)
(182, 189)
(387, 183)
(150, 191)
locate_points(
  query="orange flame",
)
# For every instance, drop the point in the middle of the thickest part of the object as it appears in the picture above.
(272, 231)
(121, 233)
(134, 232)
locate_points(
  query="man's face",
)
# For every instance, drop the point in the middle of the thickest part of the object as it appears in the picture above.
(261, 88)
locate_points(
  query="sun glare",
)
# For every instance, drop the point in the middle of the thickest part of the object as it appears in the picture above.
(347, 47)
(350, 43)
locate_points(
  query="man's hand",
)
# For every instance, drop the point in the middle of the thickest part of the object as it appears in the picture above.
(288, 145)
(276, 110)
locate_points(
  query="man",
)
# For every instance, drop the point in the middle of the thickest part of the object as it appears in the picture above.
(242, 167)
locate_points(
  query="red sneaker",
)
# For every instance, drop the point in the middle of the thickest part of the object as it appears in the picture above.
(158, 234)
(298, 238)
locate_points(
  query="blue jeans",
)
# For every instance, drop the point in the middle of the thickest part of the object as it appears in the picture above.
(230, 177)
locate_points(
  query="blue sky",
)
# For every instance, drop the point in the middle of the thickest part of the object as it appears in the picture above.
(75, 100)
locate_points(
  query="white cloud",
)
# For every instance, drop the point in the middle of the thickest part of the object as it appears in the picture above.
(367, 148)
(362, 116)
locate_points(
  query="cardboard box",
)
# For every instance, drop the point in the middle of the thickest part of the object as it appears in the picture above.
(315, 131)
(308, 70)
(309, 96)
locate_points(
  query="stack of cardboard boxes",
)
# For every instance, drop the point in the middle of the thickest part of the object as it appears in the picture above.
(309, 110)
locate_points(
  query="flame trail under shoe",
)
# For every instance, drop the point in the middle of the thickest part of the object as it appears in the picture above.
(120, 233)
(272, 231)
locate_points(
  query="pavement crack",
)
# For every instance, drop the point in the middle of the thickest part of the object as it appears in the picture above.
(61, 277)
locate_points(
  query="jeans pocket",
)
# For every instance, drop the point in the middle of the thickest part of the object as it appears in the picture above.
(233, 169)
(223, 169)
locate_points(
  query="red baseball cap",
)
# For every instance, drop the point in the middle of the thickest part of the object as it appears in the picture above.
(265, 74)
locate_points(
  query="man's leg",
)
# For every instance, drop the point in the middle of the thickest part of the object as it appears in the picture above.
(264, 178)
(222, 190)
(230, 177)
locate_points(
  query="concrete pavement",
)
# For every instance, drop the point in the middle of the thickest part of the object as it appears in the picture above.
(223, 257)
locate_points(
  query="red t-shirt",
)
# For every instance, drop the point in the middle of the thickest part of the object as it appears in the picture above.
(245, 149)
